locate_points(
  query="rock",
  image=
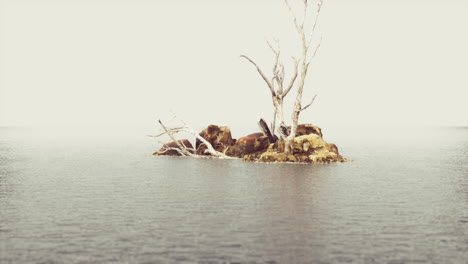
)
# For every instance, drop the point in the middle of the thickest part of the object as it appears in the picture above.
(219, 137)
(256, 142)
(325, 156)
(333, 148)
(312, 148)
(277, 146)
(164, 151)
(309, 148)
(307, 129)
(307, 143)
(272, 156)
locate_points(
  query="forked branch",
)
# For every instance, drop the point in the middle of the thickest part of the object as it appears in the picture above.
(265, 78)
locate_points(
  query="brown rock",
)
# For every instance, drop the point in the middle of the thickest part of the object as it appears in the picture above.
(219, 137)
(315, 149)
(333, 148)
(278, 146)
(307, 129)
(168, 149)
(256, 142)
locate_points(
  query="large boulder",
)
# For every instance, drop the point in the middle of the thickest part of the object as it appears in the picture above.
(256, 142)
(307, 129)
(311, 144)
(312, 148)
(219, 137)
(307, 143)
(171, 148)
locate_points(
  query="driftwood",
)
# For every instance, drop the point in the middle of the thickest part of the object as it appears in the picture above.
(184, 150)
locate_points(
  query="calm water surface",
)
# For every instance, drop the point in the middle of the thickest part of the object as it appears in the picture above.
(74, 200)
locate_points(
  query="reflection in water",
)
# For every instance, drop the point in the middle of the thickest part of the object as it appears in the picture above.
(112, 202)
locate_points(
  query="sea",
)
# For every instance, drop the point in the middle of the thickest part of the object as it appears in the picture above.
(77, 197)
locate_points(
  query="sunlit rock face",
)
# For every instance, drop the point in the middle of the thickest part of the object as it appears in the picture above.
(307, 148)
(307, 129)
(170, 149)
(307, 143)
(272, 156)
(253, 143)
(219, 137)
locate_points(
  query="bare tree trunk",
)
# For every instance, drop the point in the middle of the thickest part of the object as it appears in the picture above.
(305, 62)
(276, 84)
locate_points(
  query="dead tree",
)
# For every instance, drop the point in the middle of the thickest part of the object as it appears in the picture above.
(276, 84)
(306, 38)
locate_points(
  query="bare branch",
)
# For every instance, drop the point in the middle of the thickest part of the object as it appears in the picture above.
(304, 17)
(306, 68)
(281, 77)
(309, 104)
(319, 6)
(208, 145)
(184, 150)
(166, 149)
(296, 24)
(175, 149)
(273, 124)
(179, 144)
(305, 62)
(276, 64)
(173, 130)
(276, 51)
(317, 48)
(291, 83)
(270, 85)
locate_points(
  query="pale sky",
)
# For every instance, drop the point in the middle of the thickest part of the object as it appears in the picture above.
(125, 62)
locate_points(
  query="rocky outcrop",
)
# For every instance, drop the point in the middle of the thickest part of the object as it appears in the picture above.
(253, 143)
(307, 143)
(307, 147)
(219, 137)
(315, 149)
(170, 149)
(306, 129)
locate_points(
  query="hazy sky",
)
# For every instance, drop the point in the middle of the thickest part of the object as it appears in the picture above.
(129, 62)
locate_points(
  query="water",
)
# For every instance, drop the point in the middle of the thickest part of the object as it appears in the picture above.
(74, 199)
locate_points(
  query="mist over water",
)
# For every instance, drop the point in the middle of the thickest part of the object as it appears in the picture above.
(97, 196)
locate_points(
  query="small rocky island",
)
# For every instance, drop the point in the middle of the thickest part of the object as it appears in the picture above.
(308, 146)
(297, 143)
